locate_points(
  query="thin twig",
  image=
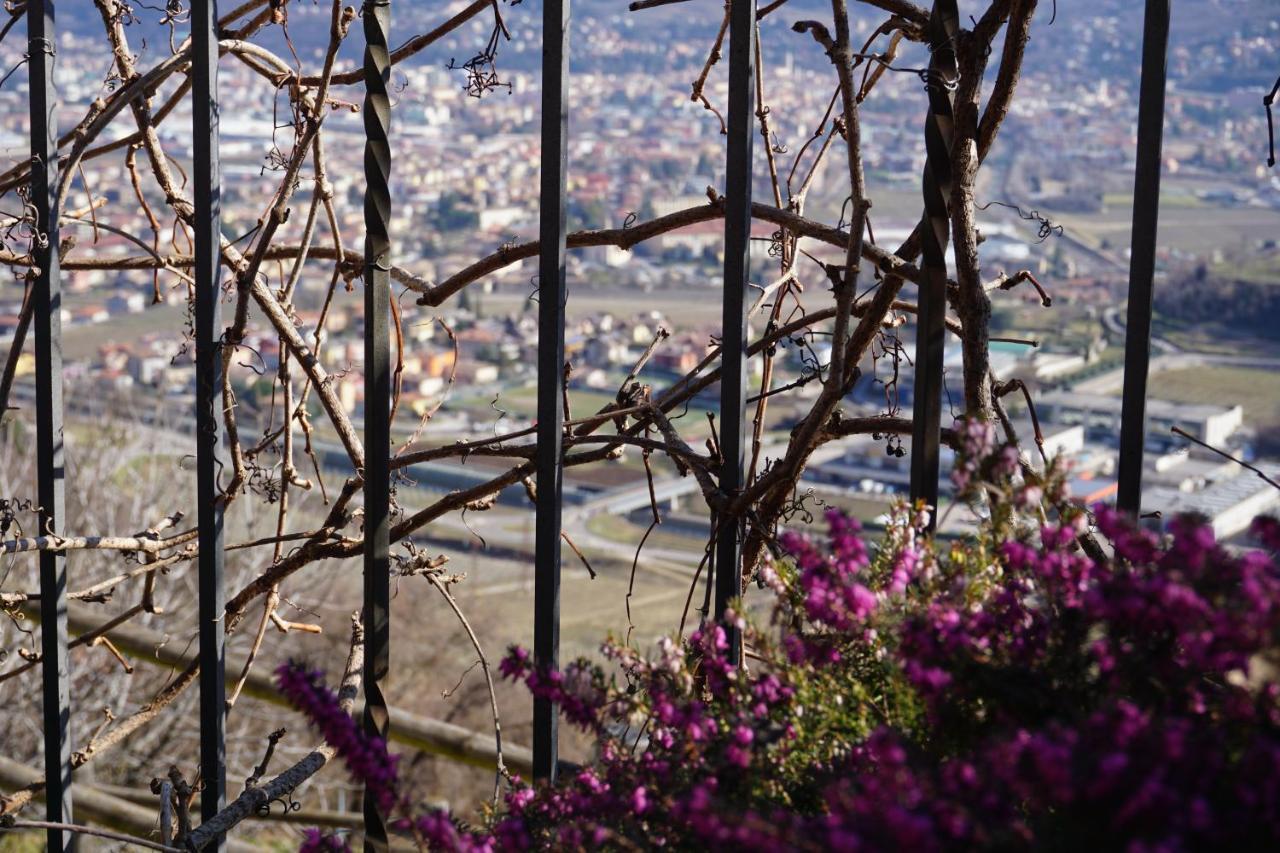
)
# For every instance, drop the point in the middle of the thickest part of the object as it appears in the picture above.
(1266, 479)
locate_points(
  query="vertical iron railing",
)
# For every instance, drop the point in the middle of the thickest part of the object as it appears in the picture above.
(926, 424)
(208, 237)
(1142, 259)
(551, 375)
(737, 271)
(50, 458)
(377, 387)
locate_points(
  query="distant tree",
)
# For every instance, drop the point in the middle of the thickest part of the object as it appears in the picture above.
(1211, 297)
(455, 213)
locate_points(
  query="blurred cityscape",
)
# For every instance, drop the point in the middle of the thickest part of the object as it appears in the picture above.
(1057, 191)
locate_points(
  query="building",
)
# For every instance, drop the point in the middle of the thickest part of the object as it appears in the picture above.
(1229, 504)
(1100, 415)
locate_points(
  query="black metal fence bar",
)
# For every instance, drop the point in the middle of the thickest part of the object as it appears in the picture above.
(208, 233)
(551, 379)
(1142, 259)
(926, 426)
(50, 471)
(377, 387)
(737, 270)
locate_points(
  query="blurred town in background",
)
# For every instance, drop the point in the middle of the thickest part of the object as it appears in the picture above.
(1058, 188)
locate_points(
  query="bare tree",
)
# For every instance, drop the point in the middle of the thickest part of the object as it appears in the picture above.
(857, 304)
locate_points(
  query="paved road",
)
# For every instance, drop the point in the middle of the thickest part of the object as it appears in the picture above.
(1113, 320)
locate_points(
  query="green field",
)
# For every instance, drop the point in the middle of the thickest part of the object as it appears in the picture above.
(1124, 201)
(82, 342)
(1257, 390)
(1186, 223)
(1255, 270)
(684, 309)
(1214, 338)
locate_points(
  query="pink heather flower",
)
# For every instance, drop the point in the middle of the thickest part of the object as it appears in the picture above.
(1008, 461)
(515, 664)
(832, 595)
(922, 518)
(518, 799)
(366, 757)
(978, 437)
(1132, 544)
(906, 566)
(437, 829)
(770, 577)
(1267, 531)
(639, 800)
(738, 757)
(578, 690)
(589, 780)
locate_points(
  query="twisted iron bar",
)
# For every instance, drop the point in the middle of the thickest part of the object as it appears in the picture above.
(944, 72)
(207, 225)
(377, 379)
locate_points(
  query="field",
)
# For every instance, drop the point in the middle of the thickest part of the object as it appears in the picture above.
(1257, 390)
(1187, 222)
(686, 310)
(1214, 338)
(1264, 269)
(82, 342)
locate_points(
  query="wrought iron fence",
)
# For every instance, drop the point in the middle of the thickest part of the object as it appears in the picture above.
(728, 531)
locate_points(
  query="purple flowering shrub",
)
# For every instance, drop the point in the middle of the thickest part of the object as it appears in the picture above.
(366, 758)
(1004, 691)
